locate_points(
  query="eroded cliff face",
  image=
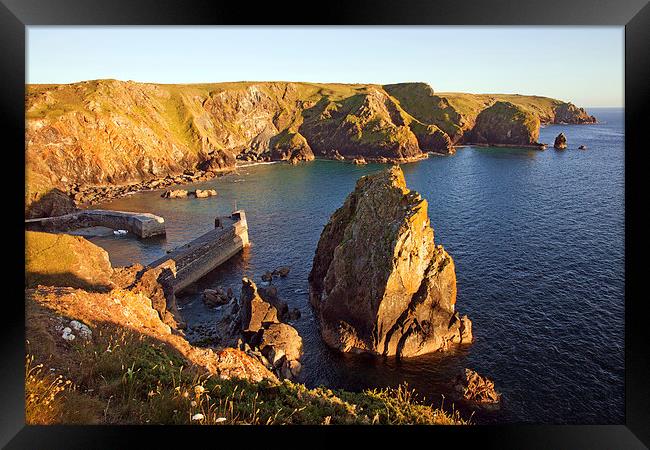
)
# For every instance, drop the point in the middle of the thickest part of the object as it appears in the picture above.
(378, 283)
(109, 132)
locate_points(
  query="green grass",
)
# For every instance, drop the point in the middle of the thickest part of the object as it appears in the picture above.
(122, 377)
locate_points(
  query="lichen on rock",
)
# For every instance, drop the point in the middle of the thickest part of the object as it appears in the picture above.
(378, 283)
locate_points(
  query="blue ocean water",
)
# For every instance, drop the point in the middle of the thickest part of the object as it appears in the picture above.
(538, 242)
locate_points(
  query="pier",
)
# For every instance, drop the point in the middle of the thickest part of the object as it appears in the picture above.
(143, 225)
(197, 258)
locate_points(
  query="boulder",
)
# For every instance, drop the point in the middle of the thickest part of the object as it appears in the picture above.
(560, 142)
(175, 193)
(359, 161)
(282, 271)
(294, 314)
(281, 337)
(476, 389)
(205, 193)
(378, 283)
(582, 147)
(215, 297)
(267, 276)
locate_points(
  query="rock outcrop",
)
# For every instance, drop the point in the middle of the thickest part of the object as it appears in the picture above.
(50, 204)
(154, 284)
(369, 125)
(505, 123)
(262, 329)
(476, 390)
(378, 283)
(570, 113)
(290, 146)
(560, 142)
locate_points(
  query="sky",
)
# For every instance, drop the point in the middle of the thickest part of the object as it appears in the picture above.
(584, 65)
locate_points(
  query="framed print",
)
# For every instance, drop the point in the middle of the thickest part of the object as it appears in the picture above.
(383, 218)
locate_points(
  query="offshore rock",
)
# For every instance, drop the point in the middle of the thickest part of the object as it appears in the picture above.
(476, 390)
(174, 193)
(255, 312)
(560, 142)
(262, 330)
(378, 283)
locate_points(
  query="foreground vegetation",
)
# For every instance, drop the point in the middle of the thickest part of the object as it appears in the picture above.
(123, 378)
(119, 374)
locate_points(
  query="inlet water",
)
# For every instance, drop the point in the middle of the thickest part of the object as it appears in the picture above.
(538, 242)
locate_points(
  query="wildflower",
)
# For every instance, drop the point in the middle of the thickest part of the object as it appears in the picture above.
(151, 393)
(220, 419)
(198, 390)
(198, 416)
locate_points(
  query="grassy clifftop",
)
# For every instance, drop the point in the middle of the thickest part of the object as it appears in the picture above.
(109, 357)
(108, 132)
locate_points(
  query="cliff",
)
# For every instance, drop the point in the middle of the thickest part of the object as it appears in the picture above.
(378, 283)
(107, 353)
(109, 132)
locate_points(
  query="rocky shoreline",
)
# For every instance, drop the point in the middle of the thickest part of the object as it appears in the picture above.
(113, 339)
(83, 137)
(85, 196)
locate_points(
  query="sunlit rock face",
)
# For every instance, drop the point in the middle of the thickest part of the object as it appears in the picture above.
(378, 283)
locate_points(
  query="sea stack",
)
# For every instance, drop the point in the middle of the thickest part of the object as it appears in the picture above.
(378, 283)
(560, 142)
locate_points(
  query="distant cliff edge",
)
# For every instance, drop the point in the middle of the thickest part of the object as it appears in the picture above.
(109, 132)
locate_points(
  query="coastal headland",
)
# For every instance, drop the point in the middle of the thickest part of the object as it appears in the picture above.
(104, 138)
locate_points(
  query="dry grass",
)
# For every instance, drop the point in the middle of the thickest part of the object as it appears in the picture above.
(123, 378)
(43, 394)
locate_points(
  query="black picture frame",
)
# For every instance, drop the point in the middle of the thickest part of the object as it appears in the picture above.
(15, 15)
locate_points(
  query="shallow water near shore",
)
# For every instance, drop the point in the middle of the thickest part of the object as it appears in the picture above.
(538, 242)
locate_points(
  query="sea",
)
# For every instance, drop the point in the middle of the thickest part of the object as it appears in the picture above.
(538, 242)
